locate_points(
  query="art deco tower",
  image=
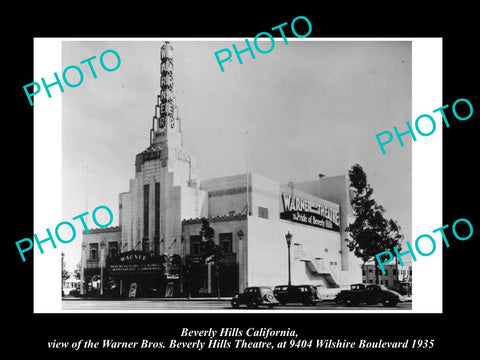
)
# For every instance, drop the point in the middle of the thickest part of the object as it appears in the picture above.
(166, 133)
(164, 190)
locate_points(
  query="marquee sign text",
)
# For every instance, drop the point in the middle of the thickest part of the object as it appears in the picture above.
(309, 213)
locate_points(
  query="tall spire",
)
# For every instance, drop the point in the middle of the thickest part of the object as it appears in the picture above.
(165, 121)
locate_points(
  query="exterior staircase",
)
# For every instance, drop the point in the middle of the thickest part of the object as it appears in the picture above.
(317, 266)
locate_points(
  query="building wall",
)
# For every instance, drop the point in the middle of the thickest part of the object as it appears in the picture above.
(194, 203)
(268, 253)
(369, 277)
(264, 194)
(227, 195)
(337, 189)
(265, 245)
(96, 237)
(390, 277)
(237, 226)
(405, 273)
(126, 220)
(179, 198)
(261, 255)
(220, 225)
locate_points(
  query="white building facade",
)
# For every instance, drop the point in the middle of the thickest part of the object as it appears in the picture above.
(157, 244)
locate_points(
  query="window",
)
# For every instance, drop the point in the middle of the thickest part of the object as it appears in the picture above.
(225, 240)
(394, 272)
(386, 272)
(112, 248)
(145, 210)
(369, 270)
(364, 272)
(145, 245)
(93, 251)
(195, 241)
(326, 250)
(297, 251)
(262, 212)
(157, 210)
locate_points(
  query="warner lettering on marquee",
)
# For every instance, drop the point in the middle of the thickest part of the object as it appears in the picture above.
(309, 213)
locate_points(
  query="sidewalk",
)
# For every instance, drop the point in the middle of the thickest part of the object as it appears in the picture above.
(75, 298)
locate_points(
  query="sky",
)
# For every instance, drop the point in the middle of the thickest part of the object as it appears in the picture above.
(308, 107)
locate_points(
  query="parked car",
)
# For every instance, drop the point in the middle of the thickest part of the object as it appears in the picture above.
(327, 294)
(305, 294)
(399, 289)
(368, 294)
(255, 296)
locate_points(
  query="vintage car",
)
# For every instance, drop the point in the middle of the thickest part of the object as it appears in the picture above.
(368, 294)
(403, 288)
(255, 296)
(305, 294)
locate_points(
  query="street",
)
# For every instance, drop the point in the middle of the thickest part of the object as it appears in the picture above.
(210, 304)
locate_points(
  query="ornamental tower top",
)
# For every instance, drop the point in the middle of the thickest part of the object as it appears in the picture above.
(166, 123)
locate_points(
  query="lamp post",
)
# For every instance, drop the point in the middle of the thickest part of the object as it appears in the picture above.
(102, 246)
(61, 283)
(83, 291)
(288, 237)
(240, 235)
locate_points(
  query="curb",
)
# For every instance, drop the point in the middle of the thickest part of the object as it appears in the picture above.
(143, 299)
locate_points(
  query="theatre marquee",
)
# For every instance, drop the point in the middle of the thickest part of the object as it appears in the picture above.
(308, 212)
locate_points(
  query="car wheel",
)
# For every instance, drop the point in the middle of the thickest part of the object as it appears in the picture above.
(235, 303)
(350, 302)
(390, 302)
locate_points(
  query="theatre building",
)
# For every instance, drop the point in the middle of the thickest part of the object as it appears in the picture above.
(158, 247)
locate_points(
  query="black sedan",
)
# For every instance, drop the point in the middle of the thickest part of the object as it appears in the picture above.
(305, 294)
(255, 296)
(368, 294)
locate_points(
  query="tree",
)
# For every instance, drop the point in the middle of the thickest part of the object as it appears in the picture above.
(77, 271)
(371, 232)
(65, 272)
